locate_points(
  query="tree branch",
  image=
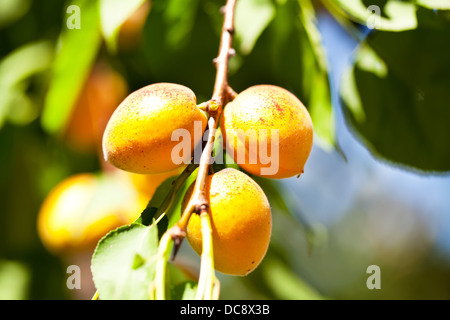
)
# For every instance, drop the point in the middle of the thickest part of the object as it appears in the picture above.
(221, 95)
(198, 203)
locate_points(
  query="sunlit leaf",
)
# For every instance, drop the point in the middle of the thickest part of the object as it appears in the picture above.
(123, 264)
(249, 29)
(11, 10)
(76, 52)
(435, 4)
(391, 15)
(113, 13)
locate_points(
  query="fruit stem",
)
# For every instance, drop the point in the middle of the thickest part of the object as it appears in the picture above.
(176, 185)
(208, 283)
(159, 284)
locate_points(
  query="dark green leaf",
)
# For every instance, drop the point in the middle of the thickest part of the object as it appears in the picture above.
(396, 96)
(147, 217)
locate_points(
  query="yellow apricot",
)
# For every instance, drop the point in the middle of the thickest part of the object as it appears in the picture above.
(241, 222)
(84, 207)
(138, 136)
(269, 117)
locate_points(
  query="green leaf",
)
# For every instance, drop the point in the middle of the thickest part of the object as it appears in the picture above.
(161, 192)
(77, 50)
(248, 30)
(390, 15)
(179, 17)
(113, 13)
(396, 95)
(184, 291)
(123, 264)
(15, 71)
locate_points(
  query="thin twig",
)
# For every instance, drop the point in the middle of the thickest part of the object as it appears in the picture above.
(198, 203)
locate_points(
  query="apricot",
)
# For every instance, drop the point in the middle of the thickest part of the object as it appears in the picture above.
(138, 136)
(146, 184)
(269, 117)
(84, 207)
(240, 218)
(102, 92)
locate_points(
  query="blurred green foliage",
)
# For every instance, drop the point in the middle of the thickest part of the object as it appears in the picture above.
(394, 96)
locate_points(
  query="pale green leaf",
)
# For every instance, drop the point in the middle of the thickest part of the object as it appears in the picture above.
(251, 19)
(113, 13)
(316, 80)
(123, 264)
(15, 70)
(12, 10)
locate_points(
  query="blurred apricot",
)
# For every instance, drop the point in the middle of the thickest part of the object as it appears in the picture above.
(103, 91)
(84, 207)
(147, 184)
(241, 222)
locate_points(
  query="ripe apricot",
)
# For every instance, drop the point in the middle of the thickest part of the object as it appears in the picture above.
(84, 207)
(138, 137)
(241, 222)
(270, 117)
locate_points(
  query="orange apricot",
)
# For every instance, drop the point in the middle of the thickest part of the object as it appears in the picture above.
(138, 137)
(103, 91)
(268, 131)
(240, 218)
